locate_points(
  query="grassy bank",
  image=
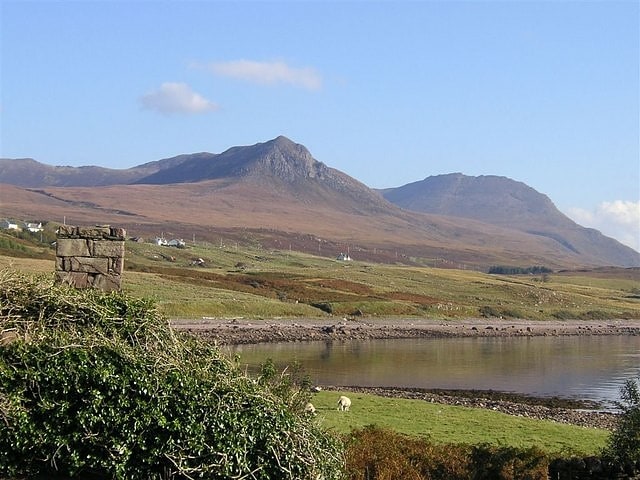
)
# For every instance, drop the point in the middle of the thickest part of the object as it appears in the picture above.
(445, 424)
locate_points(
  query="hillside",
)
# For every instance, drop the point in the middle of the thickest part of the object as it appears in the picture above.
(507, 203)
(27, 172)
(275, 193)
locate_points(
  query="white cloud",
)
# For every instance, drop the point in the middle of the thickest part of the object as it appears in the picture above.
(269, 73)
(174, 97)
(619, 219)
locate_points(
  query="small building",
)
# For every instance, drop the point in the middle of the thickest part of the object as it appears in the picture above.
(34, 227)
(343, 257)
(8, 225)
(176, 243)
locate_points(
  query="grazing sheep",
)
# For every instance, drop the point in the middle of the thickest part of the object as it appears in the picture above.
(310, 409)
(316, 389)
(344, 403)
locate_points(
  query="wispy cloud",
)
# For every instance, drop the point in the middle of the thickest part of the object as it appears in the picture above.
(619, 219)
(174, 97)
(268, 73)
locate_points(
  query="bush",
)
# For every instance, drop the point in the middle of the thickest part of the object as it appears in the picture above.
(96, 385)
(623, 446)
(375, 453)
(508, 463)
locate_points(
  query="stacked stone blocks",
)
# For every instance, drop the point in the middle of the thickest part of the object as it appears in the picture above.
(90, 257)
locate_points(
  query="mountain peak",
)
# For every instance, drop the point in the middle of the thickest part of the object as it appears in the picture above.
(282, 140)
(281, 158)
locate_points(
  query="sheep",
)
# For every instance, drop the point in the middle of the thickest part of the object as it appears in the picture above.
(310, 409)
(344, 403)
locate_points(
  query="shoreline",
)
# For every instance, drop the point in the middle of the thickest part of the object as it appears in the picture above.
(225, 331)
(236, 331)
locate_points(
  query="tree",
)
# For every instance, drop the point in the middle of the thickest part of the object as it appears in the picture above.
(624, 443)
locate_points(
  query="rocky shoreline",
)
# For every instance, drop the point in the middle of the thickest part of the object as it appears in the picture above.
(245, 331)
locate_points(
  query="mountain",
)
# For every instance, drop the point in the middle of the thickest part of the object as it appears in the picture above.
(279, 158)
(508, 203)
(275, 193)
(27, 172)
(280, 164)
(488, 198)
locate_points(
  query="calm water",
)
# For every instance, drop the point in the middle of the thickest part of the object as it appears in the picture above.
(592, 368)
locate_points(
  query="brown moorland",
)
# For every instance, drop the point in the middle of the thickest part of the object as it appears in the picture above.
(277, 194)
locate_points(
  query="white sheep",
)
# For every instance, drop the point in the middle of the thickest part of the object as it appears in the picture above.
(310, 409)
(344, 403)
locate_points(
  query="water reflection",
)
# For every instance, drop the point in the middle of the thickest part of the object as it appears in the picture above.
(592, 368)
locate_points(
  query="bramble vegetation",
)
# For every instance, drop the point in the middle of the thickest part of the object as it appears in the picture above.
(96, 385)
(624, 443)
(381, 454)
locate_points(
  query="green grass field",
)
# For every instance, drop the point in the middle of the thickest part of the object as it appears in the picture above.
(451, 424)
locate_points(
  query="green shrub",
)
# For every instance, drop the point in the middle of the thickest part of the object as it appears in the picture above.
(97, 385)
(624, 443)
(324, 306)
(508, 463)
(9, 244)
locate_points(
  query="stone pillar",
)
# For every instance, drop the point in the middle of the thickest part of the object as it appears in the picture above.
(90, 257)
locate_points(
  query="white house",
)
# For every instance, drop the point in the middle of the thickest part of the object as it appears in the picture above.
(34, 227)
(344, 257)
(8, 225)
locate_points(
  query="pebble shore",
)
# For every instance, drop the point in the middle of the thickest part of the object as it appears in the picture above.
(244, 331)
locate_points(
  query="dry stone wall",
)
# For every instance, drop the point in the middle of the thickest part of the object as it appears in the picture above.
(90, 257)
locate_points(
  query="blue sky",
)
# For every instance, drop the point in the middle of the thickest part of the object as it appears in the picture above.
(543, 92)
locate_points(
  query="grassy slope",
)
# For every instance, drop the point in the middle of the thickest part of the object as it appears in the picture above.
(450, 424)
(253, 282)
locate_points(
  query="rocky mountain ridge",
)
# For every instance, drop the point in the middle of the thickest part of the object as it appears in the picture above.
(279, 185)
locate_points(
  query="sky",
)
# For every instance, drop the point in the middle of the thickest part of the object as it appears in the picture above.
(389, 92)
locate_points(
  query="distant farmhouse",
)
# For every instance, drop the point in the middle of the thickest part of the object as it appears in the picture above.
(31, 227)
(34, 227)
(9, 225)
(170, 243)
(344, 257)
